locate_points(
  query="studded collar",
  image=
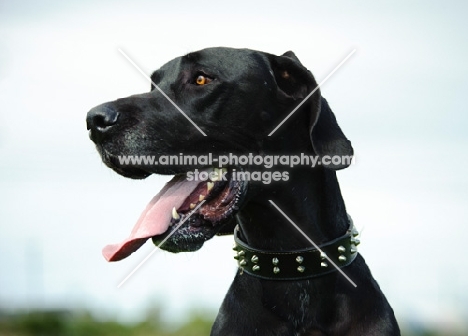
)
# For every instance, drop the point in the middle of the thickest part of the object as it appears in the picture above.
(296, 264)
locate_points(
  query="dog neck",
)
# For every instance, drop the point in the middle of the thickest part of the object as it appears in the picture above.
(314, 204)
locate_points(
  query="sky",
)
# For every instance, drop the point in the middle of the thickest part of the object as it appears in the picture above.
(401, 99)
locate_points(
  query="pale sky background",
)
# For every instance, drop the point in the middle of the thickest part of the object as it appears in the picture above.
(401, 99)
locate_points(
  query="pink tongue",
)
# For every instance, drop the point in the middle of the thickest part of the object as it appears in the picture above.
(154, 220)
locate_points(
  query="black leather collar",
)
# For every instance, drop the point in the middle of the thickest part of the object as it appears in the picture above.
(297, 264)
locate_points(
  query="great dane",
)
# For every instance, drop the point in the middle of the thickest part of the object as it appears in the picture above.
(226, 102)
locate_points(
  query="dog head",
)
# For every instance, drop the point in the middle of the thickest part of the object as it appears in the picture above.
(221, 101)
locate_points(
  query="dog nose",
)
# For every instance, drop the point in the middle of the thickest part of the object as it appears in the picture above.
(101, 118)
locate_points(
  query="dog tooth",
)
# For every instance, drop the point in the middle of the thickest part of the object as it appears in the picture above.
(209, 186)
(216, 175)
(192, 206)
(175, 215)
(201, 198)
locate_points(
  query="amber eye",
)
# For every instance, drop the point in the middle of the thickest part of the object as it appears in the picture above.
(202, 80)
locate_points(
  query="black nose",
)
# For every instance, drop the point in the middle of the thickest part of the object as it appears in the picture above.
(100, 120)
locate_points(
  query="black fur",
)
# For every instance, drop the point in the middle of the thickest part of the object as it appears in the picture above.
(250, 94)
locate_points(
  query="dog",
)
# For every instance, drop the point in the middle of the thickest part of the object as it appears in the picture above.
(308, 280)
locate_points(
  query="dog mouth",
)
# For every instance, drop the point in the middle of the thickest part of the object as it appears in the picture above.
(185, 213)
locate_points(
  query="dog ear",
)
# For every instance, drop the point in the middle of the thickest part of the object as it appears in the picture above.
(296, 82)
(329, 140)
(292, 78)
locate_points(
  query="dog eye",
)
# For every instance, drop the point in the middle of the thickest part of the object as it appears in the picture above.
(202, 80)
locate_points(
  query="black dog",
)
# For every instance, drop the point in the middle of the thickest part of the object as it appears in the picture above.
(236, 97)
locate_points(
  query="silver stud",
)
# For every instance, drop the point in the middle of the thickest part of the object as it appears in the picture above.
(236, 257)
(301, 269)
(241, 253)
(234, 247)
(255, 268)
(275, 261)
(323, 255)
(341, 249)
(254, 259)
(276, 270)
(355, 233)
(342, 258)
(355, 241)
(243, 262)
(353, 250)
(299, 259)
(323, 264)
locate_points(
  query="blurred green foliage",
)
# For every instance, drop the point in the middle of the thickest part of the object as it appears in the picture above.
(68, 323)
